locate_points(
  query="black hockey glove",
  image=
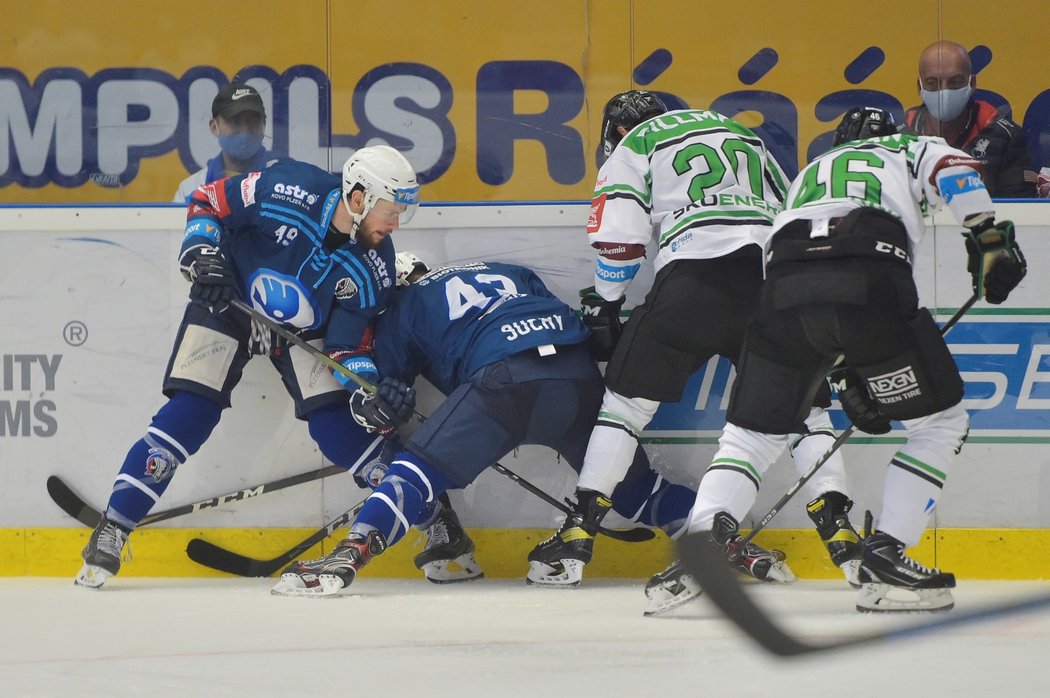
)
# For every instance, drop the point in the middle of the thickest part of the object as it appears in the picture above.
(384, 411)
(603, 319)
(857, 403)
(213, 282)
(995, 261)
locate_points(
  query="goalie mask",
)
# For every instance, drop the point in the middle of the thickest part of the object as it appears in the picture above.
(627, 109)
(407, 264)
(382, 174)
(864, 122)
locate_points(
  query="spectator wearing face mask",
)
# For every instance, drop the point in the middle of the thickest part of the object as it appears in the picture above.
(238, 120)
(949, 110)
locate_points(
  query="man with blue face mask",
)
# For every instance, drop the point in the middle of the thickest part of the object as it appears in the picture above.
(949, 110)
(238, 120)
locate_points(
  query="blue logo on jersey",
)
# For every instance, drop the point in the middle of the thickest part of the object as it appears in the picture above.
(610, 273)
(958, 184)
(281, 298)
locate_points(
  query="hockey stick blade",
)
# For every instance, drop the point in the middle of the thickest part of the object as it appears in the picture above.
(210, 555)
(74, 505)
(706, 561)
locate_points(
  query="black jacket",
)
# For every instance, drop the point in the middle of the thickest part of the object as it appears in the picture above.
(993, 140)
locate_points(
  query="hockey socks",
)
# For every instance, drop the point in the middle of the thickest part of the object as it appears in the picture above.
(398, 501)
(177, 431)
(341, 439)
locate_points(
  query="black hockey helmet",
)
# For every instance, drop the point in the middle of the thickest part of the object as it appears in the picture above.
(627, 109)
(864, 122)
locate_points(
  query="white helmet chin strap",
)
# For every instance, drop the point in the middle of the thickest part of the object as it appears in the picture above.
(355, 218)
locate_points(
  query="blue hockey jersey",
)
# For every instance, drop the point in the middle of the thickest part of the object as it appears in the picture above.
(271, 227)
(458, 319)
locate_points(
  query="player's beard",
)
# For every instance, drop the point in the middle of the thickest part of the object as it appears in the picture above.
(369, 235)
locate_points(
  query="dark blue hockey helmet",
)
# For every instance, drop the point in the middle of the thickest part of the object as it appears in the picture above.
(627, 109)
(864, 122)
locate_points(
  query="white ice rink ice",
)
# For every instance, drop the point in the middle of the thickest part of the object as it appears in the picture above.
(164, 638)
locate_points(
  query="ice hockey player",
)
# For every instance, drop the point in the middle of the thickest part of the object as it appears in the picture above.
(840, 283)
(513, 361)
(709, 189)
(309, 249)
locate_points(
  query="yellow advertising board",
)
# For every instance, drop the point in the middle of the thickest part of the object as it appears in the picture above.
(110, 101)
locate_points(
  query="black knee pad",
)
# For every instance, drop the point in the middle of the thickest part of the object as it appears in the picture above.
(921, 380)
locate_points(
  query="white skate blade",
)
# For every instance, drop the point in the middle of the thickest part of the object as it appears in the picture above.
(91, 577)
(543, 575)
(668, 596)
(851, 570)
(876, 597)
(779, 572)
(462, 569)
(308, 585)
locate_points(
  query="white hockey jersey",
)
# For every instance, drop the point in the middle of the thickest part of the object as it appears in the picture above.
(703, 184)
(907, 176)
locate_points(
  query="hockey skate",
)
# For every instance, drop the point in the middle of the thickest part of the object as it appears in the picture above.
(893, 582)
(830, 514)
(558, 562)
(102, 554)
(333, 573)
(670, 589)
(749, 559)
(448, 556)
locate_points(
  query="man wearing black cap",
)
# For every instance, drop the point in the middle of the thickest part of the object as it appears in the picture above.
(238, 120)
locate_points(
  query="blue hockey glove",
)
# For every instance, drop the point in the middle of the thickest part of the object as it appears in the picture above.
(214, 284)
(994, 260)
(603, 319)
(391, 406)
(857, 403)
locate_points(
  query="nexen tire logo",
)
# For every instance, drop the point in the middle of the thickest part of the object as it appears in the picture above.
(895, 386)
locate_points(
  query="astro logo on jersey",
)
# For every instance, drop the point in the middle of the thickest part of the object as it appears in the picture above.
(345, 288)
(895, 386)
(294, 193)
(282, 298)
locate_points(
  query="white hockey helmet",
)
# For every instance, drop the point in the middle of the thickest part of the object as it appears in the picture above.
(406, 263)
(381, 173)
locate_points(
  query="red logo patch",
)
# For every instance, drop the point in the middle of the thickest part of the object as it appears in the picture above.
(594, 221)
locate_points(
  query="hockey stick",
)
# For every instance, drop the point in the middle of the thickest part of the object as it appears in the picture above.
(627, 535)
(633, 535)
(706, 561)
(74, 505)
(842, 438)
(210, 555)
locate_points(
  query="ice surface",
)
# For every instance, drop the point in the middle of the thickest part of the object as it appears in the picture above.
(228, 637)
